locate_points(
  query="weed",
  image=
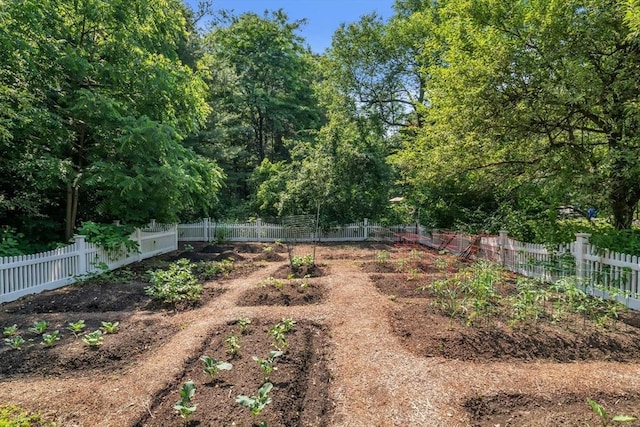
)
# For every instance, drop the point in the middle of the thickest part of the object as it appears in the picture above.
(382, 257)
(14, 416)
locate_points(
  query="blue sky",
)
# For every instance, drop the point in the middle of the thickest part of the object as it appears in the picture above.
(323, 16)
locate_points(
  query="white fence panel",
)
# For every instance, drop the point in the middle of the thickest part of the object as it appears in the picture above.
(29, 274)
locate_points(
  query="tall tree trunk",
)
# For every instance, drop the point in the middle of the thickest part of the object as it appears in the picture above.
(73, 190)
(625, 194)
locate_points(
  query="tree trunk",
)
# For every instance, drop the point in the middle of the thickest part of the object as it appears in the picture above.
(624, 195)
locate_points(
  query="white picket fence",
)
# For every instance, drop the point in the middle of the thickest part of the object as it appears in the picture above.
(259, 231)
(600, 272)
(29, 274)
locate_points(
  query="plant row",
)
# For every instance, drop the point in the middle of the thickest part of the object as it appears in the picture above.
(14, 339)
(212, 367)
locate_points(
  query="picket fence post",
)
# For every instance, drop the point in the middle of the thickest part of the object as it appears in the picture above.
(81, 248)
(259, 229)
(582, 243)
(366, 228)
(205, 229)
(503, 236)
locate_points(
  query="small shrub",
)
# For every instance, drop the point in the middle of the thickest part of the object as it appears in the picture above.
(175, 284)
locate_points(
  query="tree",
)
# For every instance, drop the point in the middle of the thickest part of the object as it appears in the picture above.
(260, 76)
(109, 94)
(541, 92)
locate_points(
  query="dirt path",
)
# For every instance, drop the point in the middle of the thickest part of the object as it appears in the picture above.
(375, 381)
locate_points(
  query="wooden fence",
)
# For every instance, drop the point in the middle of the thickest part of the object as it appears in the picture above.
(259, 231)
(600, 272)
(28, 274)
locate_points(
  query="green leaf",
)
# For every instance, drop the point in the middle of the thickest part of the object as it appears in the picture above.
(623, 418)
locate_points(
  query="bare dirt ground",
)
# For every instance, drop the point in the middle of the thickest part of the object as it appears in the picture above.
(368, 349)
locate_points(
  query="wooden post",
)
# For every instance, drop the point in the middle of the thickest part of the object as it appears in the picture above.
(582, 243)
(366, 229)
(81, 247)
(205, 230)
(503, 235)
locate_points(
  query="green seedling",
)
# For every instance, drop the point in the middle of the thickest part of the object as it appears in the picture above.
(93, 339)
(279, 337)
(76, 327)
(110, 327)
(10, 331)
(48, 340)
(212, 366)
(233, 344)
(185, 406)
(15, 342)
(268, 364)
(605, 417)
(256, 403)
(287, 324)
(39, 327)
(244, 323)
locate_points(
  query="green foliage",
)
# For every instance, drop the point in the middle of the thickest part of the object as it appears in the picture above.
(185, 405)
(177, 283)
(15, 342)
(39, 327)
(278, 333)
(605, 417)
(14, 416)
(212, 366)
(115, 239)
(110, 327)
(76, 327)
(268, 364)
(207, 270)
(105, 83)
(243, 323)
(10, 331)
(256, 404)
(233, 344)
(93, 339)
(48, 340)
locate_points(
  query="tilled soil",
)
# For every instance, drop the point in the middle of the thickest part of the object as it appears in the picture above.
(368, 350)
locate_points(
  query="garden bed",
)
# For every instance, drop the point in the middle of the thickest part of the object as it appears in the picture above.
(370, 347)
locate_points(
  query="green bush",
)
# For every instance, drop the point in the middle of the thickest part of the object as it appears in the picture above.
(177, 283)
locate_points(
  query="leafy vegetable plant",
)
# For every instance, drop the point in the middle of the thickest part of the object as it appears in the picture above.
(268, 364)
(76, 327)
(256, 404)
(93, 339)
(185, 405)
(48, 340)
(10, 331)
(175, 284)
(605, 417)
(39, 327)
(233, 344)
(15, 342)
(212, 366)
(243, 323)
(110, 327)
